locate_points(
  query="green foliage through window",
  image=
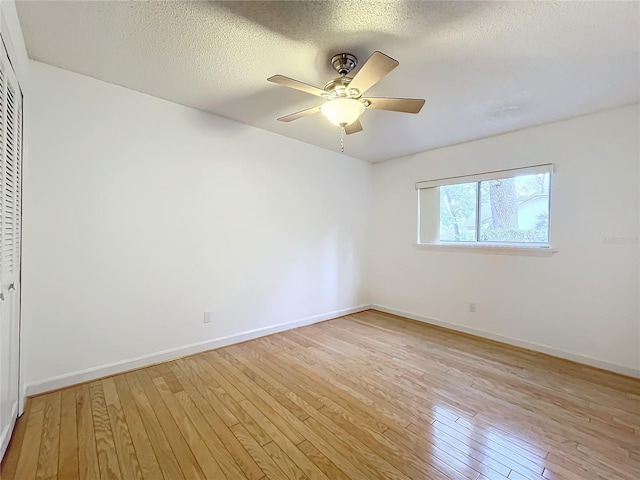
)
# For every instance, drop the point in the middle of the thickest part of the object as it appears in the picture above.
(507, 210)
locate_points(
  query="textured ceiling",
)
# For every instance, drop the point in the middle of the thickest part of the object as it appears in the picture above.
(484, 67)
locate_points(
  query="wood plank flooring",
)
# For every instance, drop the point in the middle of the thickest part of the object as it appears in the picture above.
(368, 396)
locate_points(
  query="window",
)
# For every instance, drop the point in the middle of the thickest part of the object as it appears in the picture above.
(505, 208)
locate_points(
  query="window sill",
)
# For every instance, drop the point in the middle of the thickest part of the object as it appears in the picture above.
(491, 249)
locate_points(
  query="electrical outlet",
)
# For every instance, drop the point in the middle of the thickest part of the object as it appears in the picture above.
(472, 307)
(207, 317)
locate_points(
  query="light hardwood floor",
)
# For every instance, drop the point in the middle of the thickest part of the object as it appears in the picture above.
(368, 396)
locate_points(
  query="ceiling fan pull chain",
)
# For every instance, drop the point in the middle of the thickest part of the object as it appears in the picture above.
(342, 139)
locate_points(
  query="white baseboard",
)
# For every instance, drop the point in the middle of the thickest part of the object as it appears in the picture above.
(575, 357)
(73, 378)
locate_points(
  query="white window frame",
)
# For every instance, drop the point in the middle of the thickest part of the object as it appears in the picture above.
(508, 248)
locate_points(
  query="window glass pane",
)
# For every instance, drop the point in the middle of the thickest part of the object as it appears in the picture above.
(458, 212)
(515, 209)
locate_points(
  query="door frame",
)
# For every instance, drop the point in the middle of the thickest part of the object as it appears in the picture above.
(21, 390)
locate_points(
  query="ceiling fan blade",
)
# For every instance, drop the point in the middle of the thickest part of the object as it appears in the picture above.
(295, 84)
(372, 71)
(300, 114)
(355, 127)
(405, 105)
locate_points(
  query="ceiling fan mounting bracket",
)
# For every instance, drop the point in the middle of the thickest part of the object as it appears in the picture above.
(344, 63)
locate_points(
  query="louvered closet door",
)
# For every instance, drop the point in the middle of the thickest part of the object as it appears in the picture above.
(10, 226)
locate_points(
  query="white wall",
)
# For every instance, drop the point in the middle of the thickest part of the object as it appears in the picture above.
(141, 214)
(581, 303)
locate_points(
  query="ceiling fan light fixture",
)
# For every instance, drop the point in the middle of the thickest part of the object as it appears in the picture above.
(342, 111)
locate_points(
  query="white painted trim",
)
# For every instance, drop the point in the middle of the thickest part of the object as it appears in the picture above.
(485, 248)
(485, 176)
(5, 436)
(576, 357)
(22, 399)
(73, 378)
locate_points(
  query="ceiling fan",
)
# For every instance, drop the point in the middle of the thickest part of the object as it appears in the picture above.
(345, 102)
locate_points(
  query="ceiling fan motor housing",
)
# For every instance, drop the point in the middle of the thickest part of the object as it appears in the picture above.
(339, 87)
(343, 63)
